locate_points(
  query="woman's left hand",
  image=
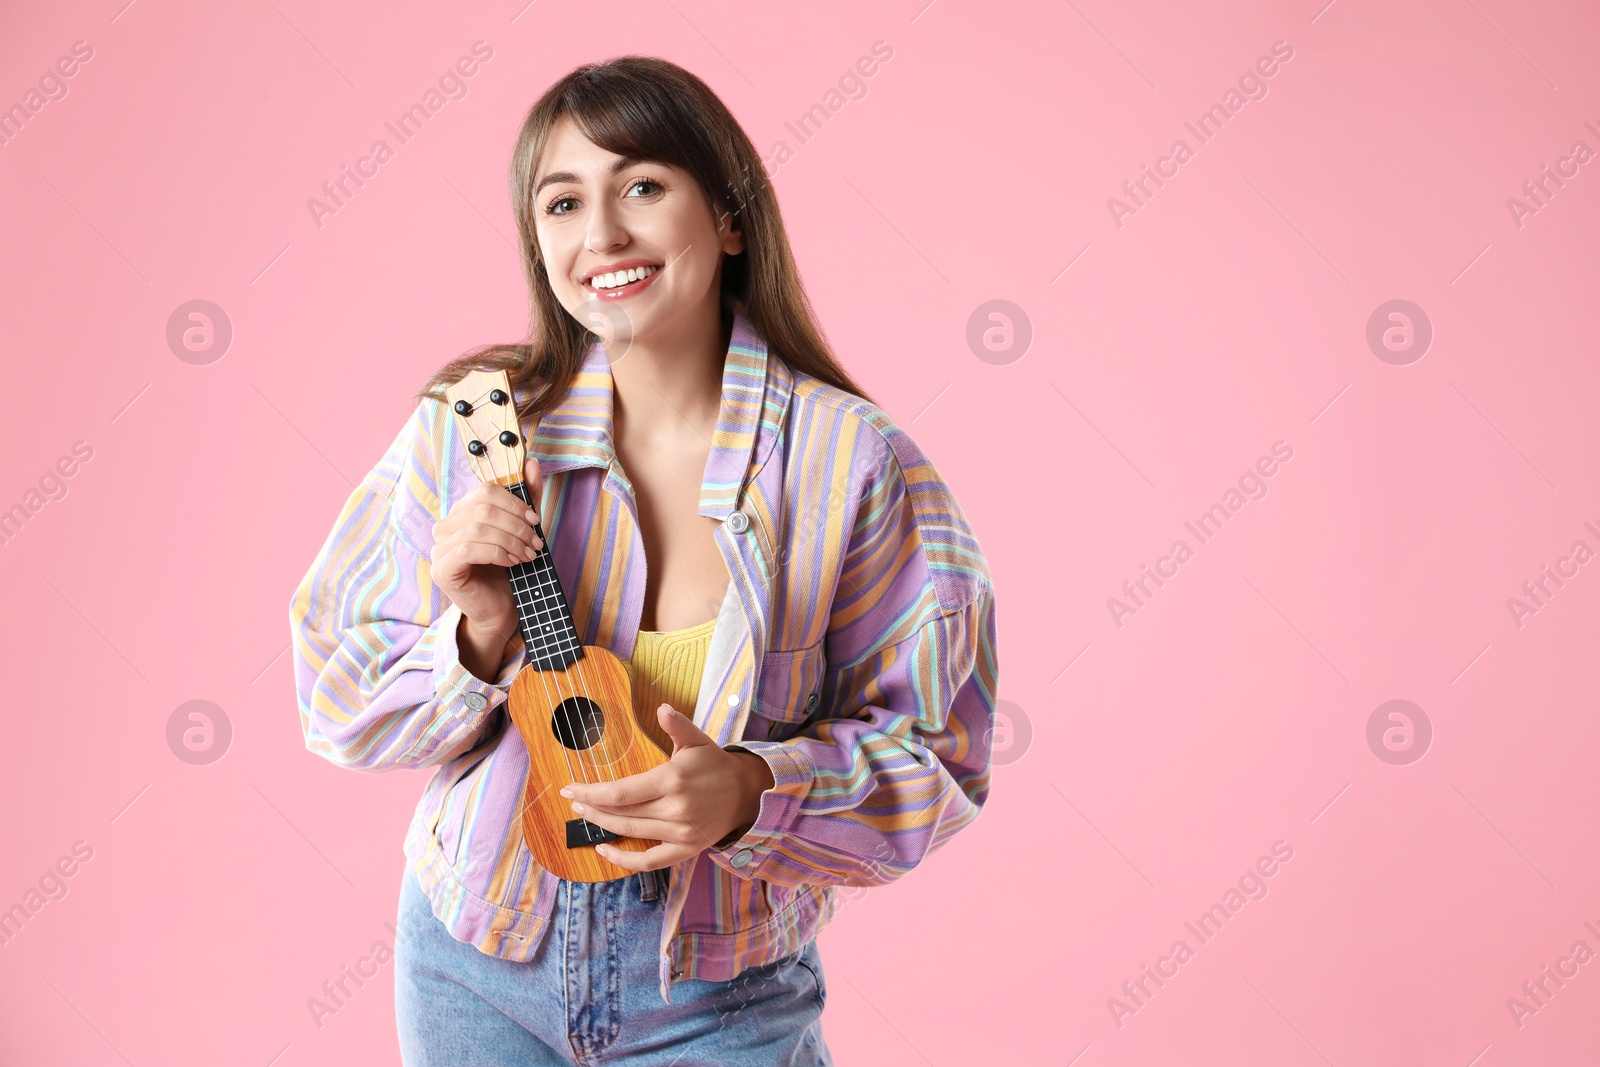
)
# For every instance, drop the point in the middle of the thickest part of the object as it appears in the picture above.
(698, 797)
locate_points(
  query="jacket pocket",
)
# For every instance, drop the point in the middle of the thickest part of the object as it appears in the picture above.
(788, 694)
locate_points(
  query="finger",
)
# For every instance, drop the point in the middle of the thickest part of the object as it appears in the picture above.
(662, 820)
(512, 503)
(520, 543)
(643, 829)
(634, 789)
(663, 809)
(488, 497)
(682, 729)
(532, 477)
(461, 531)
(457, 558)
(502, 508)
(652, 858)
(461, 549)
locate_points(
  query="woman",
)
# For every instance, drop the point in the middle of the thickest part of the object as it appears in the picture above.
(805, 614)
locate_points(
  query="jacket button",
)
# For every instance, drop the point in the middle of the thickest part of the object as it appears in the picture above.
(476, 701)
(738, 522)
(812, 701)
(740, 858)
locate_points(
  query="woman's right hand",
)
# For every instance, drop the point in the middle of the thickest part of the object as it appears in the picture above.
(487, 531)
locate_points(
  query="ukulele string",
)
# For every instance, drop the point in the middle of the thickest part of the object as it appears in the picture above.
(605, 762)
(544, 683)
(584, 753)
(601, 769)
(598, 754)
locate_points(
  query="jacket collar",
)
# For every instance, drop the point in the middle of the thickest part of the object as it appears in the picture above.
(578, 430)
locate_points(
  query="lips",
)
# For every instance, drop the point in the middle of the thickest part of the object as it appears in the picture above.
(622, 292)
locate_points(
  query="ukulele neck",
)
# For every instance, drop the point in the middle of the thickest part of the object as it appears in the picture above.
(547, 628)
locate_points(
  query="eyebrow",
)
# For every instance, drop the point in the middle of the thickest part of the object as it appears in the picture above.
(567, 176)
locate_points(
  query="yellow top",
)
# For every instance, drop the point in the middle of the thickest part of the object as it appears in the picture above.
(665, 669)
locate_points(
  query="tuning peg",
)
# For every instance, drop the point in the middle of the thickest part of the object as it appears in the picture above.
(476, 447)
(498, 396)
(463, 408)
(508, 438)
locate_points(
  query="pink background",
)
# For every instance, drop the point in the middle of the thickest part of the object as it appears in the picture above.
(1143, 768)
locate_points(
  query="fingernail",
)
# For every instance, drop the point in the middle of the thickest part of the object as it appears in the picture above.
(566, 791)
(577, 807)
(531, 515)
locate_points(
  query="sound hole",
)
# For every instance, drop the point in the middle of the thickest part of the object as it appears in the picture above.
(578, 722)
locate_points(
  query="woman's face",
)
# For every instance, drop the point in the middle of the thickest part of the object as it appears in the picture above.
(596, 213)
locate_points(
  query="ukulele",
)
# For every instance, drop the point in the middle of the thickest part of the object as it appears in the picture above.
(572, 703)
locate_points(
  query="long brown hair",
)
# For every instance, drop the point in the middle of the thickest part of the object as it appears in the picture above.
(652, 110)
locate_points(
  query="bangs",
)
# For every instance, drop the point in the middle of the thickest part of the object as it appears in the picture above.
(644, 124)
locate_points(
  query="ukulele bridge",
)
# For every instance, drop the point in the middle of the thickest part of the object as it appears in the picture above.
(582, 832)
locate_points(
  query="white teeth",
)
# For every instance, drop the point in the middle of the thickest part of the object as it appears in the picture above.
(621, 277)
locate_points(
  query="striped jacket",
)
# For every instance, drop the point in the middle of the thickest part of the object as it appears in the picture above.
(854, 652)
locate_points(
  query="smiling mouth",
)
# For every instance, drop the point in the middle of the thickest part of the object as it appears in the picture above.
(622, 279)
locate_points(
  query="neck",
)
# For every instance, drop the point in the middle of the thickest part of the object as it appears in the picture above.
(546, 619)
(671, 378)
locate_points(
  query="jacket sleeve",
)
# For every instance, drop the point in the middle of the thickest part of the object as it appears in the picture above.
(377, 673)
(900, 759)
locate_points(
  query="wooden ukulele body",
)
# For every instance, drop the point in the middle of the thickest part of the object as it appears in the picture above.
(578, 725)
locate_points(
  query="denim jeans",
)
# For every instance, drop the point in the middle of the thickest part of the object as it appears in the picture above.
(590, 994)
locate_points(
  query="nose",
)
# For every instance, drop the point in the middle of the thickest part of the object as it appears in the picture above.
(605, 231)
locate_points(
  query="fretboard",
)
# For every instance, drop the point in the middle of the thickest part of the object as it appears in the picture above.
(547, 628)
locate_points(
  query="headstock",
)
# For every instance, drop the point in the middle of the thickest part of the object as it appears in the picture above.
(485, 414)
